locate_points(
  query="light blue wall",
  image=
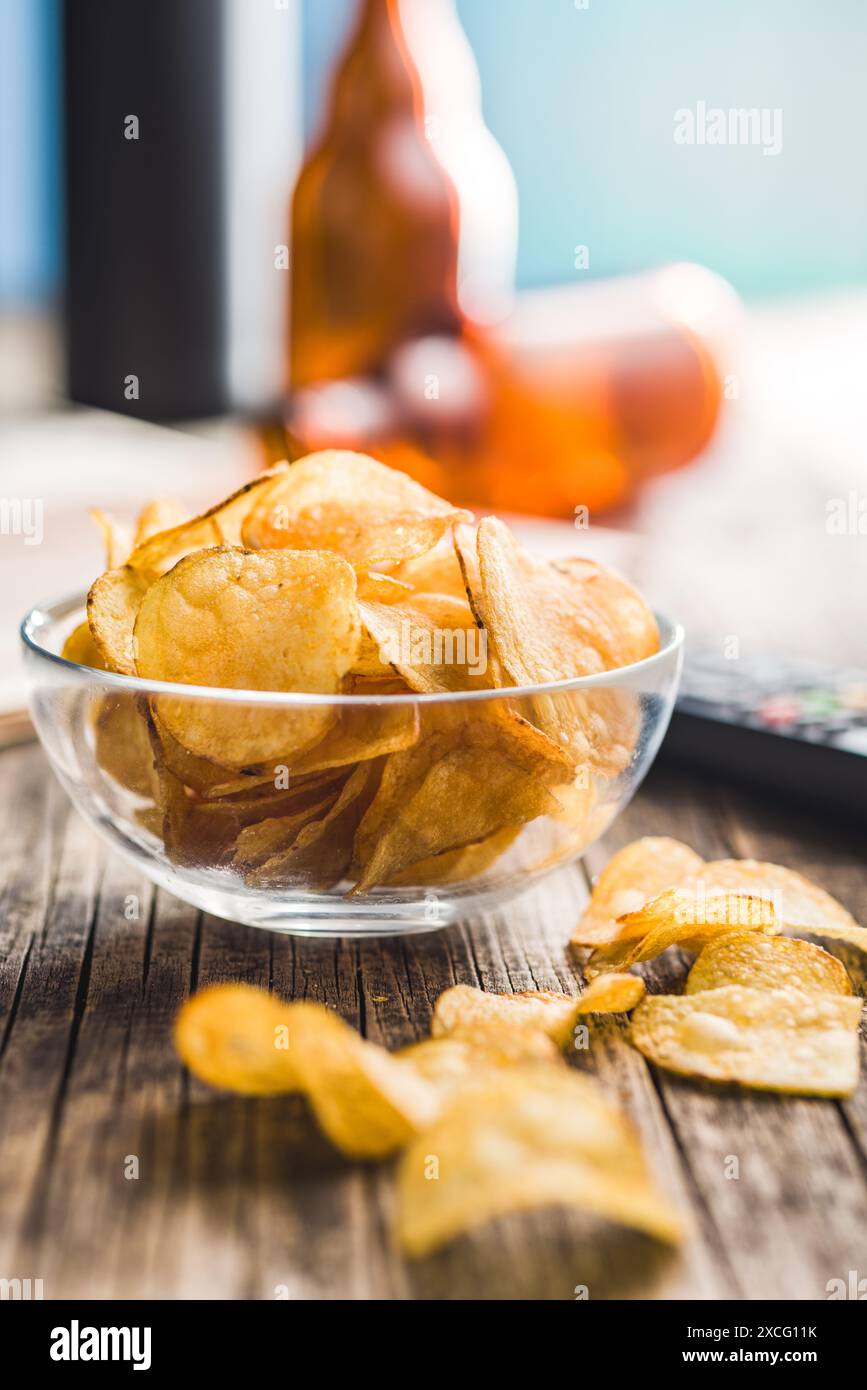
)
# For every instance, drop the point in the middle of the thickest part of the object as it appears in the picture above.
(29, 151)
(583, 102)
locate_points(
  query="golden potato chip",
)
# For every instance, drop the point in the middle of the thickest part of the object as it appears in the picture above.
(359, 735)
(549, 625)
(122, 746)
(260, 840)
(527, 1137)
(459, 784)
(796, 901)
(201, 774)
(462, 1055)
(438, 571)
(464, 1007)
(639, 871)
(767, 962)
(612, 994)
(678, 917)
(81, 648)
(161, 514)
(768, 1039)
(431, 640)
(117, 538)
(298, 618)
(237, 1037)
(219, 525)
(353, 505)
(848, 945)
(112, 609)
(319, 855)
(367, 1101)
(458, 865)
(382, 588)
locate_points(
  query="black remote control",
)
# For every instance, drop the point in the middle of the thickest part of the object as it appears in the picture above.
(793, 729)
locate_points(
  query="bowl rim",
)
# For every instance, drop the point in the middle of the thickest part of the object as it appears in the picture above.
(45, 615)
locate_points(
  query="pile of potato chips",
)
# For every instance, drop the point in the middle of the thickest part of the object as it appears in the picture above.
(485, 1113)
(765, 1005)
(488, 1117)
(332, 576)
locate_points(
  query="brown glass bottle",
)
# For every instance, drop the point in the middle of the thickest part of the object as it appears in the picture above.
(403, 189)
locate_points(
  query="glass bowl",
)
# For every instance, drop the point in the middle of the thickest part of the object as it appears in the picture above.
(393, 813)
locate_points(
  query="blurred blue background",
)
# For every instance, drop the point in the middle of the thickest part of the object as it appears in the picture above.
(583, 102)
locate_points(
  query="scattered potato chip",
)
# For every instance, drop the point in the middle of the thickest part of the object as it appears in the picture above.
(296, 616)
(353, 505)
(770, 1039)
(464, 1007)
(236, 1037)
(81, 648)
(526, 1137)
(462, 1055)
(112, 609)
(678, 917)
(612, 994)
(796, 901)
(639, 871)
(767, 962)
(368, 1102)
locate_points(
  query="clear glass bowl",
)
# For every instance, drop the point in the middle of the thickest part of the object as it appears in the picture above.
(481, 808)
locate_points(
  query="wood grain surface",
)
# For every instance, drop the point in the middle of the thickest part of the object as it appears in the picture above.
(242, 1198)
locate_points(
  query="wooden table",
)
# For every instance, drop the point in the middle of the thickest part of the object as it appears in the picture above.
(119, 1176)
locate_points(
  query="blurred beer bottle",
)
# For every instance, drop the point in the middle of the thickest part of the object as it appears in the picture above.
(406, 198)
(406, 339)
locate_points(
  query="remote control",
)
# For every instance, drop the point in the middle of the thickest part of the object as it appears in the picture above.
(793, 729)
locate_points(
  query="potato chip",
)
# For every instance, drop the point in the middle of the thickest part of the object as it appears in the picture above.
(678, 917)
(297, 618)
(438, 571)
(460, 865)
(367, 1101)
(464, 1007)
(382, 588)
(549, 625)
(122, 746)
(353, 505)
(236, 1037)
(260, 840)
(81, 648)
(796, 901)
(463, 1055)
(201, 774)
(527, 1137)
(459, 784)
(767, 962)
(639, 871)
(431, 640)
(161, 514)
(220, 525)
(359, 735)
(769, 1039)
(612, 994)
(117, 538)
(112, 609)
(319, 855)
